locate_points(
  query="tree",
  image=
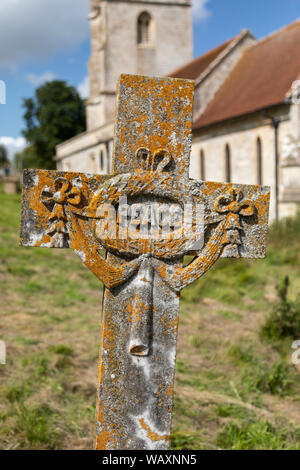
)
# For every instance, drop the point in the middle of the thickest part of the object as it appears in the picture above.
(55, 114)
(3, 155)
(27, 158)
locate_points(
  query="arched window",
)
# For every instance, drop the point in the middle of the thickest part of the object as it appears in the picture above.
(227, 164)
(144, 28)
(202, 165)
(259, 161)
(101, 160)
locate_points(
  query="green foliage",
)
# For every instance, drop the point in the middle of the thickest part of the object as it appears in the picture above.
(286, 229)
(283, 242)
(257, 435)
(28, 158)
(185, 441)
(35, 424)
(275, 379)
(241, 353)
(284, 320)
(182, 366)
(62, 349)
(3, 155)
(259, 376)
(26, 341)
(18, 161)
(229, 281)
(55, 114)
(15, 393)
(195, 341)
(229, 314)
(233, 411)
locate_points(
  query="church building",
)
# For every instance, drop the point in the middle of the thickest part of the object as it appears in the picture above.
(246, 125)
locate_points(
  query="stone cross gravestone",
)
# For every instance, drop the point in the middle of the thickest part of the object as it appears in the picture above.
(147, 216)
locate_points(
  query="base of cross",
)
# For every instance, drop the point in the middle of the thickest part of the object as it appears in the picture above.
(166, 216)
(137, 364)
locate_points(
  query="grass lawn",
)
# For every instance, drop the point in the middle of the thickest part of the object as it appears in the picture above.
(234, 389)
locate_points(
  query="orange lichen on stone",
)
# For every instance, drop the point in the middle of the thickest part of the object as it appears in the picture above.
(156, 127)
(152, 435)
(103, 436)
(170, 326)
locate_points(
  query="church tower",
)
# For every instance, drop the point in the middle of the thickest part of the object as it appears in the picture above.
(147, 37)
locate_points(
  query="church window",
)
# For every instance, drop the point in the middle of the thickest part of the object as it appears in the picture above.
(144, 28)
(101, 160)
(227, 164)
(202, 165)
(259, 161)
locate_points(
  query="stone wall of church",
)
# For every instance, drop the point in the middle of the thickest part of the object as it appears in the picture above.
(90, 152)
(290, 161)
(241, 137)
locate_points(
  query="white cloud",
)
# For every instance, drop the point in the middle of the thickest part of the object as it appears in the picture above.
(38, 80)
(35, 29)
(200, 10)
(13, 145)
(84, 88)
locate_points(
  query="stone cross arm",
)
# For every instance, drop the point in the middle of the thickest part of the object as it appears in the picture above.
(60, 211)
(54, 215)
(146, 216)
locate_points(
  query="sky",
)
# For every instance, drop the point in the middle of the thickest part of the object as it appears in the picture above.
(42, 40)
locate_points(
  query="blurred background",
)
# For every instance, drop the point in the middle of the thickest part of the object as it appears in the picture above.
(238, 362)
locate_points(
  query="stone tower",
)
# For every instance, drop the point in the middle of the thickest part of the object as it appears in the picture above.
(148, 37)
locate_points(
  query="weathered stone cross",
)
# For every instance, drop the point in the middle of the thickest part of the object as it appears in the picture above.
(146, 216)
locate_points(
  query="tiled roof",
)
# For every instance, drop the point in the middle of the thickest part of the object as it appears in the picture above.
(262, 78)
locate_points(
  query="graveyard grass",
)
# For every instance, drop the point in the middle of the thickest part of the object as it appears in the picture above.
(235, 389)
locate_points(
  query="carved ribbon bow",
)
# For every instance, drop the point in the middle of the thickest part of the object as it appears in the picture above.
(61, 193)
(233, 206)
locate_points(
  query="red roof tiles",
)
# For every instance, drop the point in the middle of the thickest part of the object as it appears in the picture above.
(261, 79)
